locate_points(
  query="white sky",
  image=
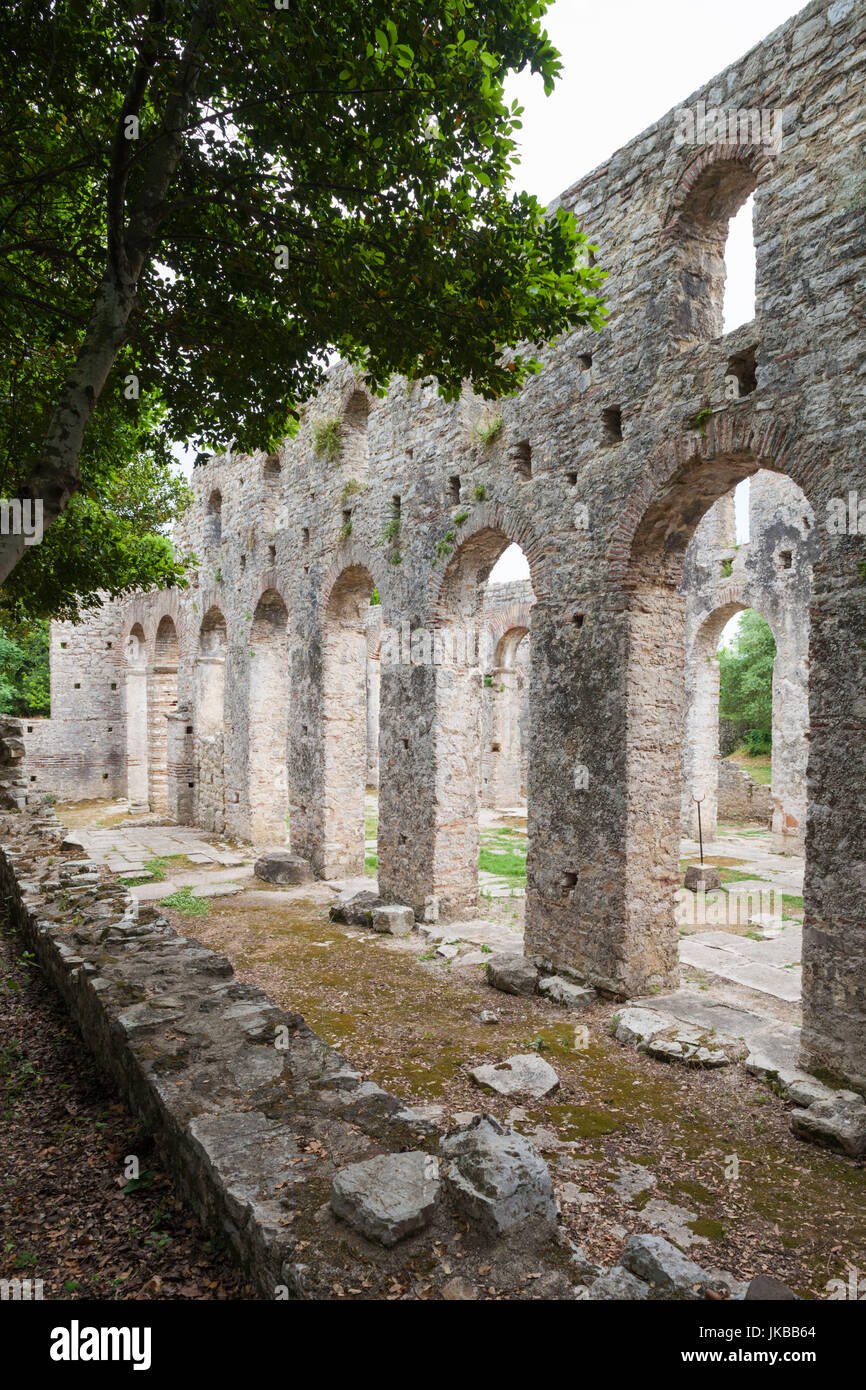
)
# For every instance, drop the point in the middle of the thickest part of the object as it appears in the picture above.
(625, 64)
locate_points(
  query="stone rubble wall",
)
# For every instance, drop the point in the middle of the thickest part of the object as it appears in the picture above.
(252, 1132)
(741, 799)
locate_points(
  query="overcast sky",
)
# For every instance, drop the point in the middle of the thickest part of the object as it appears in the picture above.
(625, 64)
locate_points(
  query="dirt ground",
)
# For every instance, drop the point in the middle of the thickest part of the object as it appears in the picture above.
(65, 1217)
(705, 1157)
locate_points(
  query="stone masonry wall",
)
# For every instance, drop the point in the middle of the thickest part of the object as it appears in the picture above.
(601, 471)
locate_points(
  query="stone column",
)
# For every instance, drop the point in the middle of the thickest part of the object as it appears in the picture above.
(137, 789)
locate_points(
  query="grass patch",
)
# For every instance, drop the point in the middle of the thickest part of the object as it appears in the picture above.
(507, 862)
(371, 865)
(186, 903)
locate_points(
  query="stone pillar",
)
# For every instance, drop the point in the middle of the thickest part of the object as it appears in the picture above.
(180, 767)
(834, 937)
(407, 783)
(137, 728)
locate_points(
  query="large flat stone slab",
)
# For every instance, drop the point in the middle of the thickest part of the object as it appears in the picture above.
(525, 1074)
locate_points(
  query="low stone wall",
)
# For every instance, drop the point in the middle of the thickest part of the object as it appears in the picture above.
(253, 1113)
(742, 799)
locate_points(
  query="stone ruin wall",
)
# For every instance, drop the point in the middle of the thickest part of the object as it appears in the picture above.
(601, 474)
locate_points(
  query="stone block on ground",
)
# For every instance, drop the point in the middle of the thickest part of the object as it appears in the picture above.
(702, 878)
(525, 1074)
(279, 866)
(636, 1026)
(356, 911)
(497, 1178)
(389, 1197)
(393, 920)
(617, 1285)
(565, 992)
(512, 974)
(764, 1288)
(839, 1123)
(659, 1263)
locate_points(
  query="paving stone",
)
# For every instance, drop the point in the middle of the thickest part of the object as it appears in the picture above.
(389, 1197)
(525, 1074)
(636, 1026)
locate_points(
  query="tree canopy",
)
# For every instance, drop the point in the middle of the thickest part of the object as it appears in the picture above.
(200, 200)
(746, 682)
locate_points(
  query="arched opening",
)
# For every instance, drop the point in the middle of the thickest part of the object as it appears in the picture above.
(482, 735)
(354, 448)
(273, 512)
(213, 521)
(209, 720)
(656, 694)
(137, 789)
(346, 731)
(702, 225)
(211, 668)
(504, 747)
(269, 721)
(738, 305)
(162, 702)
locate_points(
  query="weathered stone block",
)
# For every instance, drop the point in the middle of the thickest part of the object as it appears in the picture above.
(565, 993)
(497, 1178)
(526, 1074)
(389, 1197)
(512, 974)
(279, 866)
(394, 920)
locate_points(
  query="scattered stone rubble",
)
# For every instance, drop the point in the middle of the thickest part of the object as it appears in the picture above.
(835, 1119)
(666, 1038)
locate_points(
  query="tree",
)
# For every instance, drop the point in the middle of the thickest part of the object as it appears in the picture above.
(24, 673)
(746, 682)
(204, 197)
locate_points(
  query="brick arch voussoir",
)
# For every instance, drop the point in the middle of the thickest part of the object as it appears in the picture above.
(772, 443)
(758, 159)
(514, 526)
(355, 555)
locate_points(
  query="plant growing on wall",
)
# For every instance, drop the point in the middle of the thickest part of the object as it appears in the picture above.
(352, 488)
(328, 438)
(480, 492)
(489, 431)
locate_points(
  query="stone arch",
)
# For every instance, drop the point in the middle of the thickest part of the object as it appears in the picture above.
(456, 653)
(737, 444)
(504, 744)
(210, 682)
(354, 412)
(135, 697)
(345, 644)
(710, 191)
(646, 555)
(487, 532)
(268, 712)
(213, 521)
(161, 706)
